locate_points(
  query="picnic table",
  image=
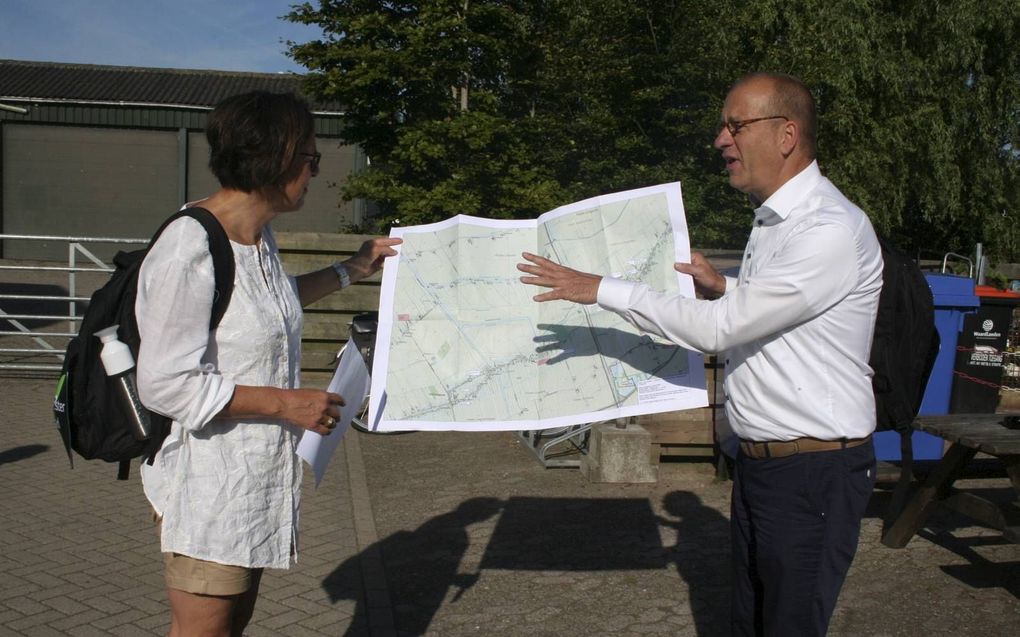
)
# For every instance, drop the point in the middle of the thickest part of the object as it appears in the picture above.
(992, 434)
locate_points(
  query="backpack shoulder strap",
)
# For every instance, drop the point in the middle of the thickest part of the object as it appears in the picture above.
(223, 260)
(222, 255)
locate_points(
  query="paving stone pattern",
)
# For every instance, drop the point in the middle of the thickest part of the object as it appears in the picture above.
(459, 534)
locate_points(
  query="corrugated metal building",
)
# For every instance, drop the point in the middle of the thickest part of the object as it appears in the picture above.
(111, 151)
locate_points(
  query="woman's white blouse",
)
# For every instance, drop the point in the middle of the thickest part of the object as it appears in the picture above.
(228, 489)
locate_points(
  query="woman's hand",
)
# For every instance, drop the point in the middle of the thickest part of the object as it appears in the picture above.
(311, 409)
(370, 257)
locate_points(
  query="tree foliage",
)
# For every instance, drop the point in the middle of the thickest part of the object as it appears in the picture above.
(509, 108)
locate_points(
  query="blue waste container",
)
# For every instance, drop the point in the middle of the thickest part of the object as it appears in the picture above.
(954, 298)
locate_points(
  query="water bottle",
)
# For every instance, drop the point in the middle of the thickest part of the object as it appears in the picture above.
(120, 365)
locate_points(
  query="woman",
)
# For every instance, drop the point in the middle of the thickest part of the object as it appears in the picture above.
(226, 482)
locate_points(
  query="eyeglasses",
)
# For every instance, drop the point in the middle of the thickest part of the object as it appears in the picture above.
(735, 126)
(314, 161)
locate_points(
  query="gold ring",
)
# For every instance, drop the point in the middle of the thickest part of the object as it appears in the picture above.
(330, 422)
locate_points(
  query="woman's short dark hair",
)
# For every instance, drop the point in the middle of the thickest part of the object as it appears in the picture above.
(255, 138)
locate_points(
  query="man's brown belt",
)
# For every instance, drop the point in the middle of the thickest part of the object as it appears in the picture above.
(785, 448)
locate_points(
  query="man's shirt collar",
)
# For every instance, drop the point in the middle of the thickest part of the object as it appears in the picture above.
(778, 207)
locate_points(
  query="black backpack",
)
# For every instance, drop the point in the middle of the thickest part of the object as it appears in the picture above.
(905, 343)
(91, 419)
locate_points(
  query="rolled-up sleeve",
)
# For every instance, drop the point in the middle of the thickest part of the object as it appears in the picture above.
(173, 308)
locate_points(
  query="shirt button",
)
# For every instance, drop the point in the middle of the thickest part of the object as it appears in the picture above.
(761, 221)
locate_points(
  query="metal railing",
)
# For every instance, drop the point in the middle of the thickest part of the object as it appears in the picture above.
(21, 342)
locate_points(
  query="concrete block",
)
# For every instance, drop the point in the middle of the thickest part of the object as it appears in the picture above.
(619, 454)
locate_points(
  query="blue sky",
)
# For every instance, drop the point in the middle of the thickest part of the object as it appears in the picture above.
(229, 35)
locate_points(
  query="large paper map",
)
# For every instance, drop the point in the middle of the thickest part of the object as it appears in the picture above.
(461, 345)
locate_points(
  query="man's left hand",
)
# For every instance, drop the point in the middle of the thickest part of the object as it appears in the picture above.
(566, 284)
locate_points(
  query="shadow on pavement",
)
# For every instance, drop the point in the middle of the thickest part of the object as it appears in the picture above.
(426, 562)
(702, 557)
(546, 534)
(981, 572)
(1005, 575)
(21, 453)
(573, 534)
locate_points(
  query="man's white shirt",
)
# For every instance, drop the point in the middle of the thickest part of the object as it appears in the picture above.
(795, 328)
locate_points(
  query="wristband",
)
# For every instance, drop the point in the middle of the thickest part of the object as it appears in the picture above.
(342, 275)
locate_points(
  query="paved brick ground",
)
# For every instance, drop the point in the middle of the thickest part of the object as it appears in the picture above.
(80, 555)
(456, 535)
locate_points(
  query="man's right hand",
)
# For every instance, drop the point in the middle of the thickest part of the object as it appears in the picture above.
(707, 281)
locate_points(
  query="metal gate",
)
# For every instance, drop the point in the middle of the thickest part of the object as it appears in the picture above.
(42, 302)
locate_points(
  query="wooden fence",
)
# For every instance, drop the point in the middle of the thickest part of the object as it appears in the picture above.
(327, 322)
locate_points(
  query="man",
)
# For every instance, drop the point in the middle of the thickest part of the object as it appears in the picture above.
(796, 326)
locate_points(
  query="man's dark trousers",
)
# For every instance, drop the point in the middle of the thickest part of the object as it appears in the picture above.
(795, 525)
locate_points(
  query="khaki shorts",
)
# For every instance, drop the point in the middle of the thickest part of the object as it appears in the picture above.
(193, 575)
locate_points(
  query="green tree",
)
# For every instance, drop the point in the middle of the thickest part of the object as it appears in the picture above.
(508, 108)
(919, 105)
(435, 93)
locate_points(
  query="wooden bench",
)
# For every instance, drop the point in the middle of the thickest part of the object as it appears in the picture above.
(968, 435)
